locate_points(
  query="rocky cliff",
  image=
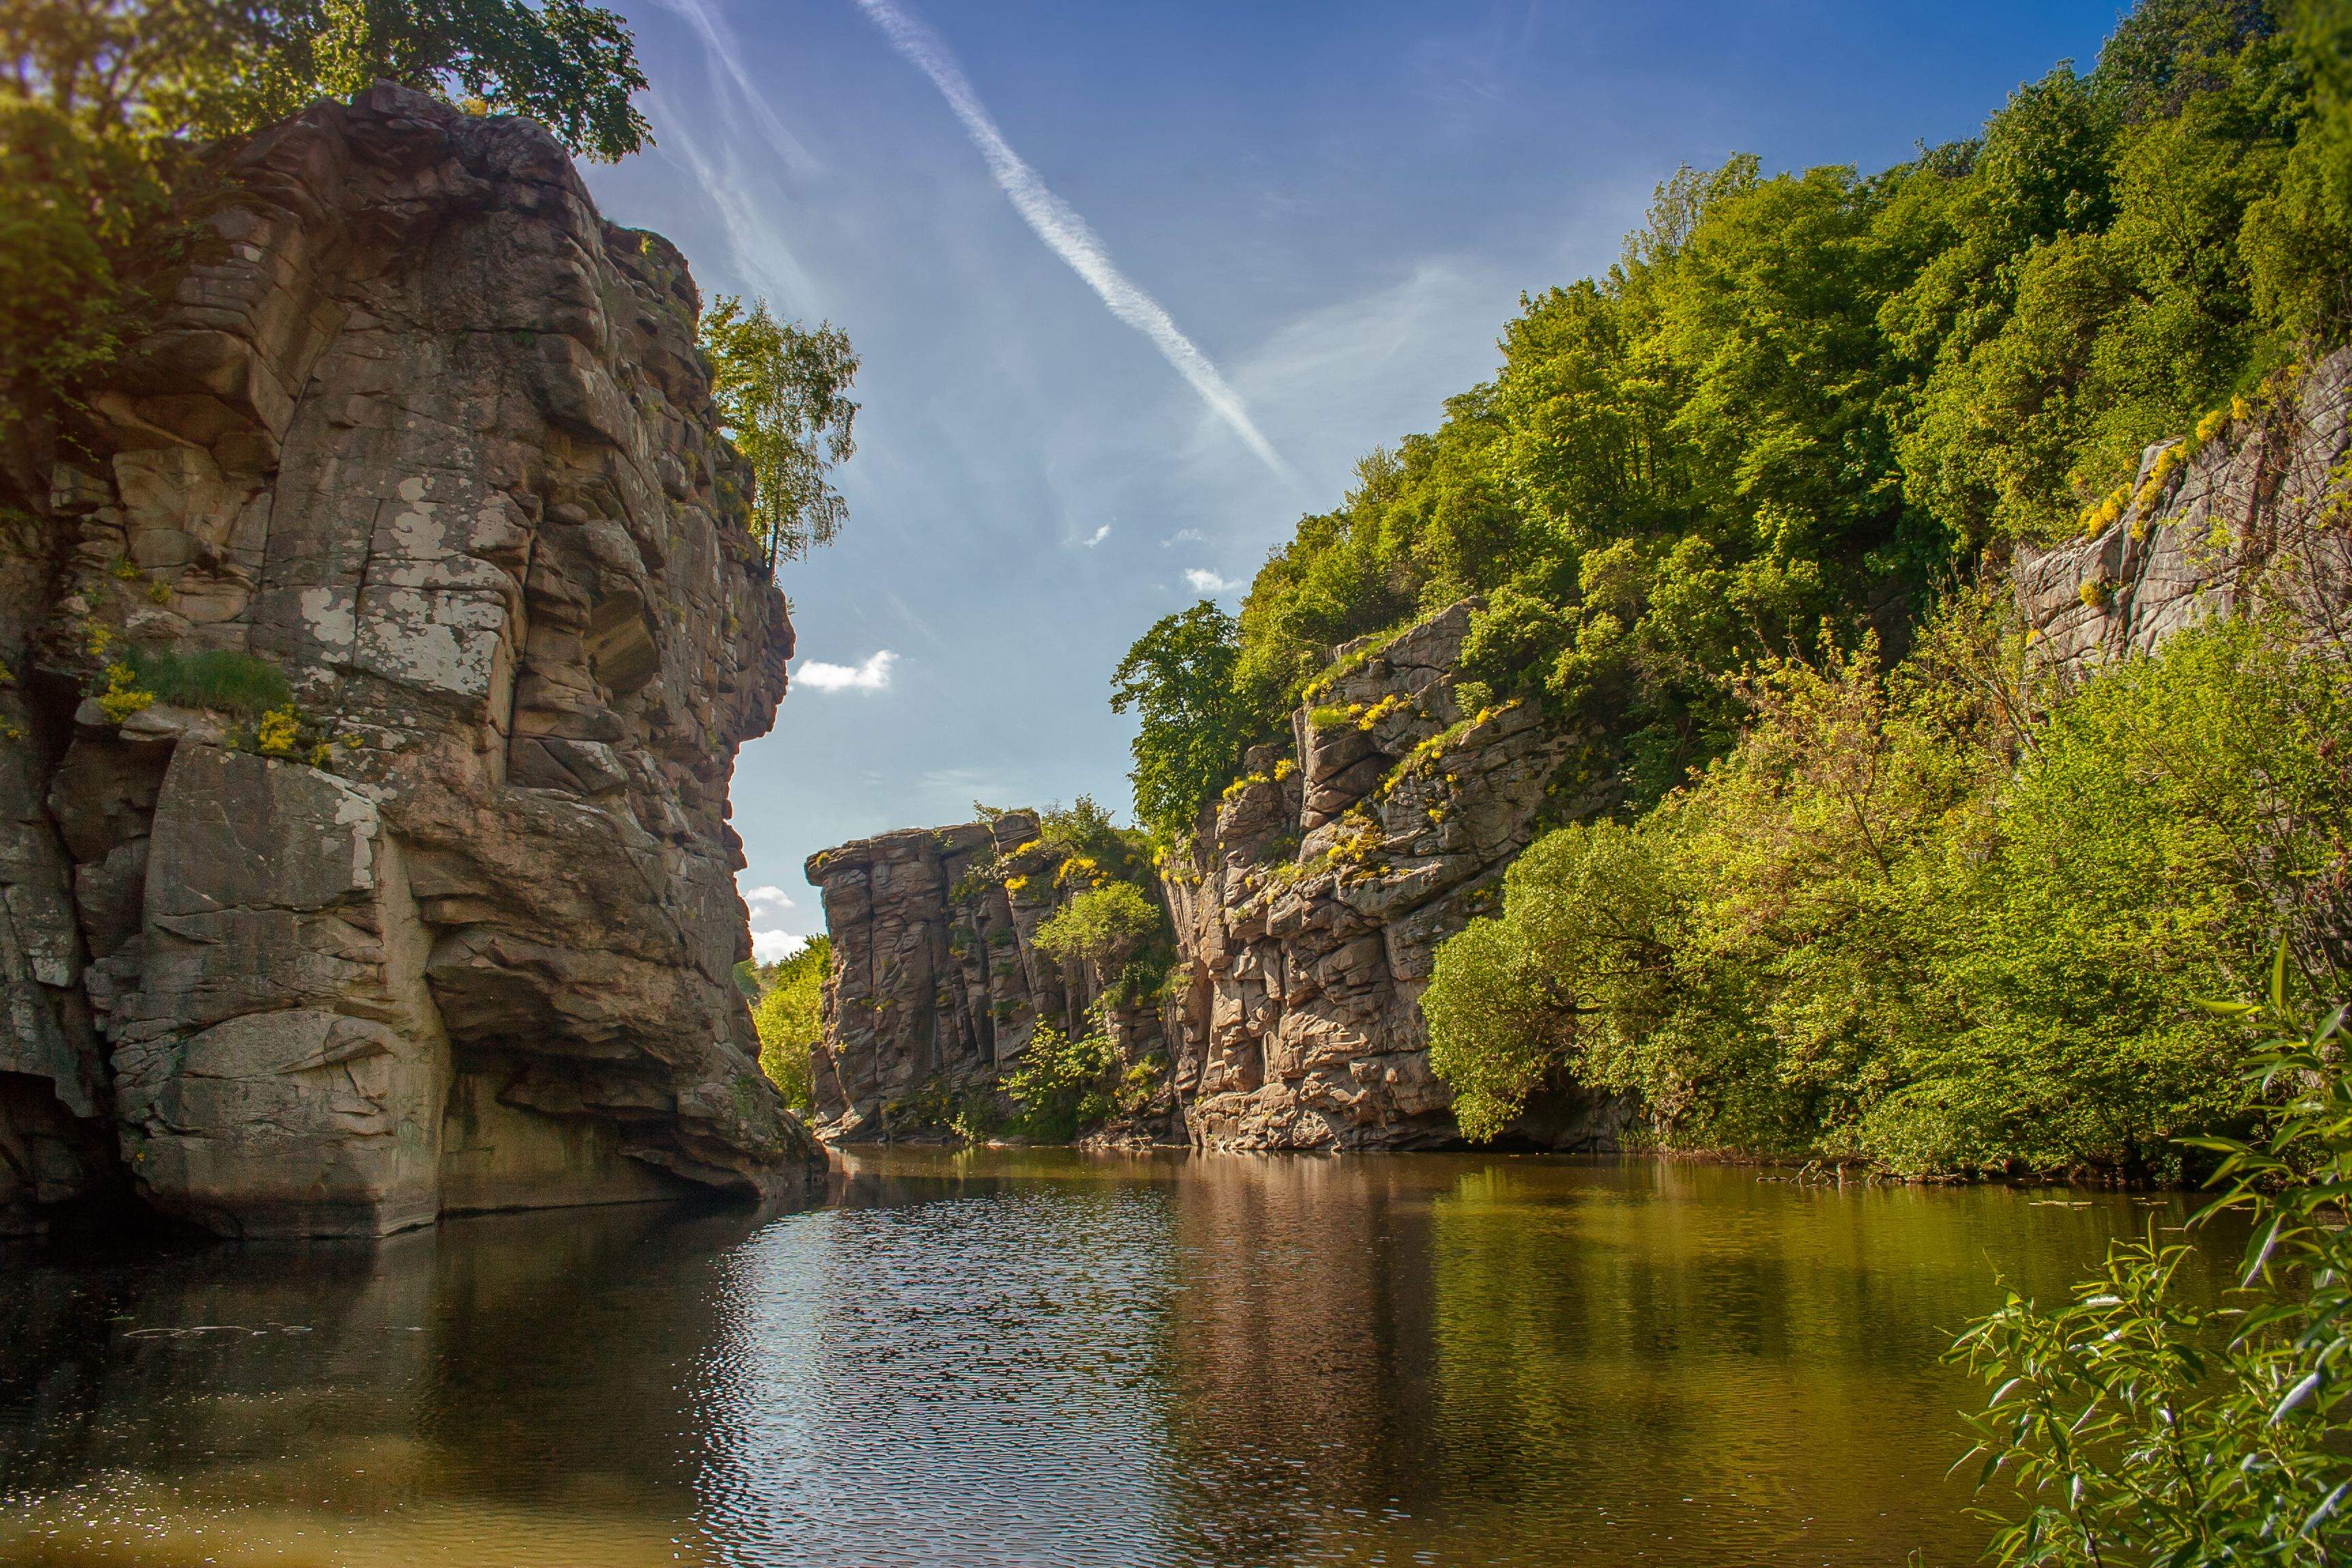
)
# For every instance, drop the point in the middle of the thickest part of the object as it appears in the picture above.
(938, 984)
(1310, 904)
(2247, 514)
(1307, 910)
(376, 662)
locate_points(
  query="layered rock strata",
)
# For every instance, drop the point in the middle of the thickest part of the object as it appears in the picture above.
(425, 435)
(2253, 516)
(937, 985)
(1310, 904)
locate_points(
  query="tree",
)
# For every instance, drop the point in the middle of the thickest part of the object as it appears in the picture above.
(789, 1016)
(782, 397)
(1179, 677)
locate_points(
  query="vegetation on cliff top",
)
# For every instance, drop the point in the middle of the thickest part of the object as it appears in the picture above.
(1799, 402)
(113, 114)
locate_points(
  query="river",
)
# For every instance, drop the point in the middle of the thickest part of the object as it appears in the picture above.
(1047, 1358)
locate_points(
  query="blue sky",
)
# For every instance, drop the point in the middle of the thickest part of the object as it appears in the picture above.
(1316, 218)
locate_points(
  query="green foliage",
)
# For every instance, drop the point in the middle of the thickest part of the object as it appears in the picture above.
(789, 1016)
(783, 391)
(1061, 1084)
(1798, 401)
(220, 680)
(2134, 1425)
(1179, 675)
(1908, 920)
(1103, 926)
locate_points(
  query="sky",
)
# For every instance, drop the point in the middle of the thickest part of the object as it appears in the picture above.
(1134, 287)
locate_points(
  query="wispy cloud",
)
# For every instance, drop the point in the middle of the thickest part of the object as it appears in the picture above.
(1067, 233)
(1184, 536)
(762, 253)
(1099, 535)
(726, 57)
(767, 897)
(874, 675)
(768, 946)
(1205, 582)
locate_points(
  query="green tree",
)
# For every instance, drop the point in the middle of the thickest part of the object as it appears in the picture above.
(1179, 677)
(1103, 926)
(783, 391)
(789, 1016)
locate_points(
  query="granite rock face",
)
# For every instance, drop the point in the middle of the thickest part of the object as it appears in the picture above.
(422, 433)
(2251, 517)
(1316, 893)
(937, 985)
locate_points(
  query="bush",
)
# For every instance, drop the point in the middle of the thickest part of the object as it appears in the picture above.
(1865, 933)
(2133, 1425)
(1061, 1084)
(221, 679)
(1101, 926)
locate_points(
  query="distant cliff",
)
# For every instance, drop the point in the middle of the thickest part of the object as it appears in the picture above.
(373, 684)
(1311, 903)
(939, 983)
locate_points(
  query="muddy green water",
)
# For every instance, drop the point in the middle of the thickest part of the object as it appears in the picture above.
(1044, 1359)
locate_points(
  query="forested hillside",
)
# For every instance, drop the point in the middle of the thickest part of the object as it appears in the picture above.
(1737, 512)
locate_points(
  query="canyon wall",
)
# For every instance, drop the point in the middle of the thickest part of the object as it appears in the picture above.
(1307, 913)
(938, 984)
(425, 440)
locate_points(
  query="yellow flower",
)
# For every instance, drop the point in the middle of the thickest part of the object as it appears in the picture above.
(123, 697)
(279, 733)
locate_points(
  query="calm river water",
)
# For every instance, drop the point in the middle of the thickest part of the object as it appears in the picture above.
(1041, 1358)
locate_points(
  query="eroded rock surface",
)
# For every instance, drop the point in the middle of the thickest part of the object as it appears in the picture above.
(423, 433)
(1318, 891)
(937, 985)
(2253, 515)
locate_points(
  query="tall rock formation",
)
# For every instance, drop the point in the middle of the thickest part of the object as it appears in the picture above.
(937, 985)
(428, 439)
(1311, 902)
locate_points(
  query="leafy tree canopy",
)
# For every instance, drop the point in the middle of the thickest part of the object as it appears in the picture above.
(783, 391)
(1801, 402)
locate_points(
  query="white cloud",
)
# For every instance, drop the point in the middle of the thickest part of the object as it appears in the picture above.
(769, 898)
(1100, 534)
(1208, 582)
(1066, 234)
(874, 675)
(767, 946)
(1184, 536)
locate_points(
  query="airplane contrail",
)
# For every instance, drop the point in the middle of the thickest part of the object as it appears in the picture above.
(1059, 226)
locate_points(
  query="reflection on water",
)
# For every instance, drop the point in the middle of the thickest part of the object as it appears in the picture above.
(1045, 1358)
